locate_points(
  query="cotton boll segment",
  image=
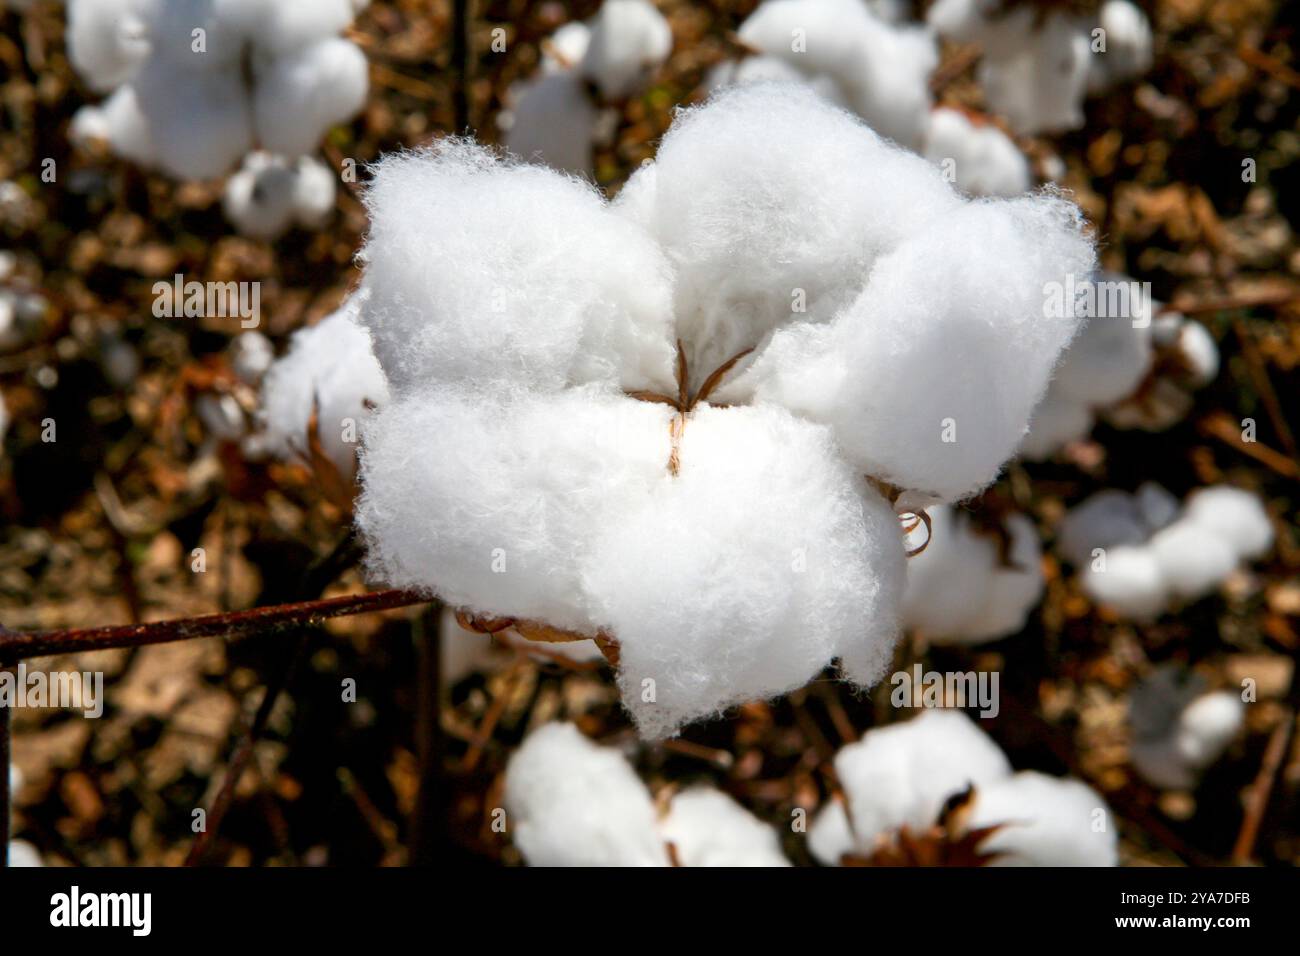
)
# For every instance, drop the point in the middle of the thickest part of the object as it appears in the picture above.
(457, 487)
(1178, 729)
(1108, 359)
(629, 41)
(286, 25)
(554, 122)
(1039, 85)
(1015, 588)
(329, 370)
(1108, 518)
(1235, 516)
(831, 835)
(22, 853)
(259, 199)
(300, 95)
(251, 355)
(742, 576)
(946, 352)
(1131, 581)
(199, 120)
(119, 122)
(1046, 821)
(902, 775)
(510, 277)
(1193, 560)
(1200, 355)
(570, 802)
(107, 40)
(708, 828)
(983, 159)
(314, 189)
(1057, 422)
(757, 234)
(948, 582)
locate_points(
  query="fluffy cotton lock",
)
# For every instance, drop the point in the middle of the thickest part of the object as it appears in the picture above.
(983, 160)
(1142, 554)
(1127, 51)
(1180, 728)
(959, 591)
(556, 117)
(196, 84)
(903, 776)
(570, 802)
(542, 422)
(857, 59)
(329, 372)
(270, 194)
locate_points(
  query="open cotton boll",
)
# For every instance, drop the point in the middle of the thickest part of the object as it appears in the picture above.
(1207, 726)
(937, 366)
(1178, 728)
(107, 40)
(566, 48)
(1040, 82)
(629, 41)
(569, 802)
(902, 775)
(708, 828)
(984, 160)
(330, 371)
(259, 199)
(755, 233)
(199, 120)
(1109, 358)
(521, 483)
(1046, 821)
(1235, 516)
(554, 122)
(1193, 559)
(742, 576)
(880, 70)
(1131, 581)
(1128, 53)
(489, 272)
(300, 95)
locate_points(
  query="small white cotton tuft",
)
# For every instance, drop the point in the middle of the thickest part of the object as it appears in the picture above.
(708, 828)
(251, 354)
(629, 41)
(270, 193)
(1128, 46)
(1130, 580)
(1193, 560)
(1178, 729)
(570, 802)
(1046, 821)
(1235, 515)
(331, 373)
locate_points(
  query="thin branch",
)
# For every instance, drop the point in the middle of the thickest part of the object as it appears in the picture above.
(15, 646)
(1262, 789)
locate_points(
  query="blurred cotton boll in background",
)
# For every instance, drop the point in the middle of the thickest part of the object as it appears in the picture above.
(193, 86)
(937, 778)
(269, 194)
(570, 802)
(1180, 727)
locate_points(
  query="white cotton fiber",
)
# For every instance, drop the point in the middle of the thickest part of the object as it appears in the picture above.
(1046, 821)
(567, 47)
(879, 70)
(488, 272)
(118, 122)
(902, 775)
(755, 237)
(299, 96)
(931, 375)
(569, 802)
(22, 853)
(1015, 588)
(831, 835)
(628, 43)
(708, 828)
(1199, 352)
(554, 123)
(802, 561)
(523, 484)
(1057, 422)
(330, 371)
(983, 159)
(1235, 515)
(1208, 725)
(1108, 359)
(251, 354)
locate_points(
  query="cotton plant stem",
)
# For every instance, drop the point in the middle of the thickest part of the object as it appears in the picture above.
(1262, 789)
(15, 646)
